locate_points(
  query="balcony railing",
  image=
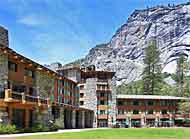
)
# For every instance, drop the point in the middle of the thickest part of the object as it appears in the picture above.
(15, 96)
(102, 80)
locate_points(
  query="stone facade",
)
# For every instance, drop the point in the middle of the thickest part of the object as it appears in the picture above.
(3, 116)
(112, 103)
(60, 121)
(3, 71)
(90, 99)
(44, 85)
(4, 37)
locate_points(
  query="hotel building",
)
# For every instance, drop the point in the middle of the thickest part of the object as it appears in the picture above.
(96, 93)
(31, 93)
(72, 97)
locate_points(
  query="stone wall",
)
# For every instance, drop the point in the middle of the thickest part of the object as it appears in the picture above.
(3, 71)
(90, 101)
(4, 37)
(3, 116)
(60, 120)
(44, 85)
(112, 103)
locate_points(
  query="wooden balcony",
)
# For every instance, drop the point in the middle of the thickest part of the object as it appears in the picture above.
(150, 116)
(121, 116)
(11, 97)
(103, 107)
(102, 116)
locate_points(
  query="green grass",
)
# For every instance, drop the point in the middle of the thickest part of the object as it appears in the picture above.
(146, 133)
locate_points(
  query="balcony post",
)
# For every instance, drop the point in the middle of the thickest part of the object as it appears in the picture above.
(48, 103)
(39, 102)
(23, 98)
(8, 95)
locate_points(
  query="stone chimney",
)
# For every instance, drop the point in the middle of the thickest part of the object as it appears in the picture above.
(4, 40)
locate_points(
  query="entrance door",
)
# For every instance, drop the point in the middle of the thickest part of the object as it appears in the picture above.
(18, 118)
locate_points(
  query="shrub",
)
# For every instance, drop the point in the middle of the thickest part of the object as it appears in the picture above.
(39, 128)
(7, 129)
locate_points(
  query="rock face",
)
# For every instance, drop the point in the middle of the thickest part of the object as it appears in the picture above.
(170, 25)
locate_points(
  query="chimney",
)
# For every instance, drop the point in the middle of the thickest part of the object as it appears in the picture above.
(4, 40)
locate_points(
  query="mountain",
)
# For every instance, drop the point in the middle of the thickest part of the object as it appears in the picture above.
(169, 25)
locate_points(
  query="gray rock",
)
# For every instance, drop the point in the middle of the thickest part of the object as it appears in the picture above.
(170, 25)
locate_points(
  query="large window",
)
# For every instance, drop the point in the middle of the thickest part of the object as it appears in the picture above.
(150, 112)
(102, 112)
(150, 103)
(163, 111)
(102, 102)
(12, 66)
(135, 103)
(135, 111)
(120, 102)
(81, 103)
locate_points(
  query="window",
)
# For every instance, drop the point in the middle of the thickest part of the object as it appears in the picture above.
(120, 103)
(164, 112)
(102, 112)
(12, 66)
(135, 111)
(81, 95)
(81, 103)
(82, 87)
(29, 73)
(121, 111)
(150, 112)
(150, 103)
(102, 94)
(136, 103)
(102, 102)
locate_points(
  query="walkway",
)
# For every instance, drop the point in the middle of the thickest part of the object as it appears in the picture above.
(47, 133)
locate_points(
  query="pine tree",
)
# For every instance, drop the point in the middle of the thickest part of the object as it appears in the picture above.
(152, 77)
(182, 67)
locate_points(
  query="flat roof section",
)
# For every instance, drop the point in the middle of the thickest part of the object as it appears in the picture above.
(151, 97)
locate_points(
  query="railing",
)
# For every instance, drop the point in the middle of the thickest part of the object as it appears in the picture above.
(12, 96)
(31, 99)
(102, 80)
(17, 96)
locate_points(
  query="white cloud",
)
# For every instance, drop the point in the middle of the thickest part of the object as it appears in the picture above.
(32, 20)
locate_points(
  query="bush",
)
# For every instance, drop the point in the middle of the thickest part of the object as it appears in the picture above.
(7, 129)
(39, 128)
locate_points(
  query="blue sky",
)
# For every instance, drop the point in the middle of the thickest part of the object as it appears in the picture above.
(65, 30)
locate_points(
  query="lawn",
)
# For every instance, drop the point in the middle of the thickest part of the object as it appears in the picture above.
(141, 133)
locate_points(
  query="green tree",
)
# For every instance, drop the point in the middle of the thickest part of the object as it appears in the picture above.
(152, 77)
(182, 67)
(184, 107)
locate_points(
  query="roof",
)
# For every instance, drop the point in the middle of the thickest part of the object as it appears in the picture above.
(151, 97)
(10, 51)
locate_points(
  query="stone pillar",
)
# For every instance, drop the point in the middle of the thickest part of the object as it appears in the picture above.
(73, 119)
(83, 119)
(27, 117)
(60, 121)
(129, 120)
(3, 116)
(142, 120)
(10, 115)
